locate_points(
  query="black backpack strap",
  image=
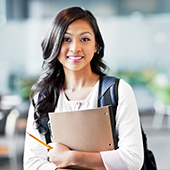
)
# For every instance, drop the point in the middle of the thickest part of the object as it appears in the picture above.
(108, 95)
(48, 136)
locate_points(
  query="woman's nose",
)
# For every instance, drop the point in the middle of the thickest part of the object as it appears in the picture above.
(75, 47)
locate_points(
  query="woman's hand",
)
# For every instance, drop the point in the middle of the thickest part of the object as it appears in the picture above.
(63, 157)
(60, 155)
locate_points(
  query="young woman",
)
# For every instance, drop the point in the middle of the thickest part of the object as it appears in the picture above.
(72, 51)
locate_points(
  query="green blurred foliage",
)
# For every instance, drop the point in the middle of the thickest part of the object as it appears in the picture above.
(23, 86)
(140, 77)
(156, 82)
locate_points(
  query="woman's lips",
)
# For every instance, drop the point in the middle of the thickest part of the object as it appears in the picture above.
(75, 58)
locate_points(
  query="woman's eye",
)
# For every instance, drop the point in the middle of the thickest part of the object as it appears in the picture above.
(66, 40)
(85, 39)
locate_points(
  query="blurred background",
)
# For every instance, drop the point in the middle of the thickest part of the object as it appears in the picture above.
(137, 49)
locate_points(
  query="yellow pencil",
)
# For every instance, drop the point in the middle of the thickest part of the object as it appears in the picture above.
(48, 146)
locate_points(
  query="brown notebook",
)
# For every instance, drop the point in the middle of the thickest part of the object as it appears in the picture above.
(84, 130)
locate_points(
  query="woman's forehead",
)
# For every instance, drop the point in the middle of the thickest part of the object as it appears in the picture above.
(80, 25)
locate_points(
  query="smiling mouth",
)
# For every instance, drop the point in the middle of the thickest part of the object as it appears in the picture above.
(75, 58)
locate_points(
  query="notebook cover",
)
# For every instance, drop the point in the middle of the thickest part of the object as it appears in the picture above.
(83, 130)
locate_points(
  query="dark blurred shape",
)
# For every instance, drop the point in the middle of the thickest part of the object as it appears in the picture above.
(16, 9)
(23, 9)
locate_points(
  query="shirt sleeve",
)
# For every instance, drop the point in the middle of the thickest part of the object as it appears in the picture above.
(129, 155)
(35, 154)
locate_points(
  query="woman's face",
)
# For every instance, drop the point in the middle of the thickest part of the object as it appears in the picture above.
(78, 46)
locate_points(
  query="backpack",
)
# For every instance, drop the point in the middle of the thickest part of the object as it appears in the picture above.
(108, 95)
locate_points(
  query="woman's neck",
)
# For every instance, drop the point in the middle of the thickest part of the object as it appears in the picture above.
(78, 87)
(77, 81)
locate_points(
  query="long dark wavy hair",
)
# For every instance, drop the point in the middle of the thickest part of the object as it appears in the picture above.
(52, 78)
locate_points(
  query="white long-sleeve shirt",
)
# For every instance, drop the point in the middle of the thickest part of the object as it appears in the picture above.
(129, 155)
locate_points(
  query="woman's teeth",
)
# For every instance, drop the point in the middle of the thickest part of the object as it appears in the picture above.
(75, 58)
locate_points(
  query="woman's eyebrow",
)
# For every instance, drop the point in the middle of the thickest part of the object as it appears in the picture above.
(67, 33)
(86, 32)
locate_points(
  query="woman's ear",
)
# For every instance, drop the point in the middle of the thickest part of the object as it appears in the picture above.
(95, 47)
